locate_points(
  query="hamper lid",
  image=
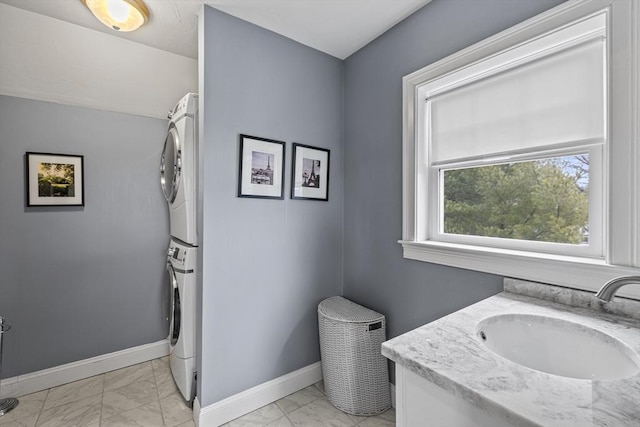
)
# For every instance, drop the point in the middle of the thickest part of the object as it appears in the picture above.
(341, 309)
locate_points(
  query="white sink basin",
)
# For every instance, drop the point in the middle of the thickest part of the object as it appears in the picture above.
(558, 347)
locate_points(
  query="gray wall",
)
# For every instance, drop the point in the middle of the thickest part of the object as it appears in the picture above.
(266, 263)
(409, 293)
(81, 282)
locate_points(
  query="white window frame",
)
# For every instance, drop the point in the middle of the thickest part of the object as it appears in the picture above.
(620, 251)
(595, 248)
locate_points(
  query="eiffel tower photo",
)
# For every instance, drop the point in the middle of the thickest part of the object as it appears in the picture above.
(261, 172)
(311, 173)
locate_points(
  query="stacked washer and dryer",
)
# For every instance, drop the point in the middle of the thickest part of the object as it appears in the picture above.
(179, 177)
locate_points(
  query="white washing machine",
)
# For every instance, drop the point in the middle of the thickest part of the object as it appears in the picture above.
(179, 169)
(181, 262)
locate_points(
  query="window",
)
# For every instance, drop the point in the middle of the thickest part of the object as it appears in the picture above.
(516, 161)
(544, 200)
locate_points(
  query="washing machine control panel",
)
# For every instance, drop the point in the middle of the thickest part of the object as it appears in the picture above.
(177, 255)
(183, 257)
(177, 110)
(173, 253)
(186, 105)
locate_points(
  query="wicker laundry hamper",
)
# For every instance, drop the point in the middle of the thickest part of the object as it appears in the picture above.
(356, 376)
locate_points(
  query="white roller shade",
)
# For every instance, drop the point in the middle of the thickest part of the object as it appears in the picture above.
(554, 99)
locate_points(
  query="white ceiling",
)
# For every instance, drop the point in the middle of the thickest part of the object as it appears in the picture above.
(336, 27)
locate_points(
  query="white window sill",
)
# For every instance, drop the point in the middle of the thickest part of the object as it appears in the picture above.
(572, 272)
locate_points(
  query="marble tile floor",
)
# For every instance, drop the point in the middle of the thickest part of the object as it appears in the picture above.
(145, 395)
(309, 407)
(138, 395)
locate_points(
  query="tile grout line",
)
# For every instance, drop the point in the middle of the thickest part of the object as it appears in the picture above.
(42, 407)
(155, 384)
(101, 404)
(286, 415)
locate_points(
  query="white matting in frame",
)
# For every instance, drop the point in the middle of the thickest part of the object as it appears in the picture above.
(55, 179)
(310, 173)
(261, 169)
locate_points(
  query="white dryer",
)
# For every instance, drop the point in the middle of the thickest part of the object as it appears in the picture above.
(179, 169)
(181, 262)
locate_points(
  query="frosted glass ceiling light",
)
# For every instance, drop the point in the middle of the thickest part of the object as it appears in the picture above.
(120, 15)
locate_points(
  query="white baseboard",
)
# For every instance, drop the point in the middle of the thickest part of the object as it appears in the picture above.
(63, 374)
(196, 411)
(249, 400)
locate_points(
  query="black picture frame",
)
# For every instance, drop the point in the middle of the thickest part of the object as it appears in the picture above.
(54, 179)
(261, 168)
(310, 173)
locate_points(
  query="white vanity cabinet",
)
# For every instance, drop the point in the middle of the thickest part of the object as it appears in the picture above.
(421, 403)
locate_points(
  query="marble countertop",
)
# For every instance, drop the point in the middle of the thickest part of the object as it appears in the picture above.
(448, 353)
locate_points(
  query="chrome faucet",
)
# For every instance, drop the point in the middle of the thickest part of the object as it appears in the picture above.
(608, 290)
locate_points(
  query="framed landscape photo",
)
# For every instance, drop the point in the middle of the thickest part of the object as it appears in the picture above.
(310, 173)
(261, 170)
(55, 179)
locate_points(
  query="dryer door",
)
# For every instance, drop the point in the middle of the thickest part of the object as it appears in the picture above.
(171, 164)
(174, 293)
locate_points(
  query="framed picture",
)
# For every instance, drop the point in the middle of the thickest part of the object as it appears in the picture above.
(310, 173)
(261, 171)
(55, 179)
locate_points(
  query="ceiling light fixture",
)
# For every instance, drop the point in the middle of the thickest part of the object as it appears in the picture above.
(119, 15)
